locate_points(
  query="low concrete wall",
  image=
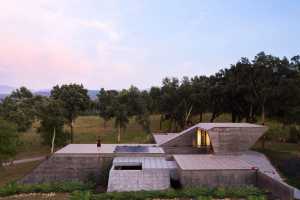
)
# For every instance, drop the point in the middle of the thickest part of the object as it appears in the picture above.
(70, 168)
(277, 188)
(183, 150)
(216, 178)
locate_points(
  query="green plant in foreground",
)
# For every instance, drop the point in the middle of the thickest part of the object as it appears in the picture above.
(15, 188)
(256, 198)
(250, 193)
(81, 195)
(204, 198)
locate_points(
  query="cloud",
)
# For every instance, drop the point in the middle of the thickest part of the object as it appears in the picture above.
(42, 45)
(31, 64)
(103, 27)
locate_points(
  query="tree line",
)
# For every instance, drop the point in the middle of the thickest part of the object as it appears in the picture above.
(250, 90)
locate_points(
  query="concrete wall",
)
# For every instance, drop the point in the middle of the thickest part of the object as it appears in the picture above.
(183, 144)
(224, 140)
(136, 180)
(183, 150)
(70, 168)
(228, 140)
(277, 188)
(216, 178)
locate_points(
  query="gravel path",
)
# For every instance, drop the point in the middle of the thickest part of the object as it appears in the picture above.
(25, 160)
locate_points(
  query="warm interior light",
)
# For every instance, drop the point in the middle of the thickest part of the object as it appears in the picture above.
(207, 139)
(202, 138)
(198, 137)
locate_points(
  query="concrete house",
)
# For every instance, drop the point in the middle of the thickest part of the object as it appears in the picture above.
(206, 154)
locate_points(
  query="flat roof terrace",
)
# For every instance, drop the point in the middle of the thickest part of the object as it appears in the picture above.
(108, 149)
(210, 162)
(246, 160)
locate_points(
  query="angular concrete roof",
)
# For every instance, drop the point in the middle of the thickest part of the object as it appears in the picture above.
(246, 160)
(162, 138)
(207, 127)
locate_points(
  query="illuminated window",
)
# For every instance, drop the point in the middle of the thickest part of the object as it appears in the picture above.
(202, 138)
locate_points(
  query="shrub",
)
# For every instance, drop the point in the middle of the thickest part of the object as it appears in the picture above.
(256, 198)
(220, 192)
(204, 198)
(197, 193)
(8, 140)
(294, 135)
(14, 188)
(81, 195)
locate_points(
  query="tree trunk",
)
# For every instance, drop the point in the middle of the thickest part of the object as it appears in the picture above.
(52, 143)
(263, 114)
(160, 122)
(263, 141)
(200, 117)
(187, 116)
(119, 133)
(233, 117)
(213, 117)
(176, 128)
(251, 113)
(72, 131)
(170, 125)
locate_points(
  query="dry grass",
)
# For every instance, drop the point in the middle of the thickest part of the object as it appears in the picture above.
(15, 172)
(88, 128)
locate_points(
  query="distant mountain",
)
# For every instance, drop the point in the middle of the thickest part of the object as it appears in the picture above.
(5, 89)
(91, 93)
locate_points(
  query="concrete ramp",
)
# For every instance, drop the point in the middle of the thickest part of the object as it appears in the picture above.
(140, 173)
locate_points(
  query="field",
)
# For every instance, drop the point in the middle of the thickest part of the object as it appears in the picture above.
(88, 128)
(15, 172)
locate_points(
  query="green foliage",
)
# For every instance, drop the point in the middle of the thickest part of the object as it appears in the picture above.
(81, 195)
(19, 108)
(52, 118)
(8, 140)
(294, 135)
(74, 99)
(14, 188)
(198, 193)
(105, 104)
(256, 198)
(220, 192)
(204, 198)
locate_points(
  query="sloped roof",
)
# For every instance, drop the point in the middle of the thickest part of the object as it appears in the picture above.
(206, 127)
(162, 138)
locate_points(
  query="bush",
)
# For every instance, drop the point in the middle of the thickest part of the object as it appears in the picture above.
(204, 198)
(294, 135)
(8, 140)
(14, 188)
(197, 193)
(82, 191)
(81, 195)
